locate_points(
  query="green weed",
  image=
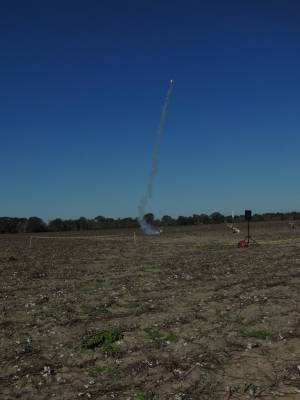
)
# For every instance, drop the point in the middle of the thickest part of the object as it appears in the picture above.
(140, 396)
(160, 338)
(144, 396)
(110, 370)
(257, 334)
(103, 339)
(93, 311)
(45, 312)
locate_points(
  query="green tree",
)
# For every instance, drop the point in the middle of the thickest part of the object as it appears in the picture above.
(56, 225)
(217, 218)
(167, 220)
(70, 225)
(149, 218)
(204, 219)
(12, 225)
(196, 219)
(35, 224)
(100, 222)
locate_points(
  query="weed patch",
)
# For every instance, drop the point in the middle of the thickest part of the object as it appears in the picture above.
(94, 311)
(110, 370)
(257, 334)
(45, 312)
(144, 396)
(104, 339)
(160, 338)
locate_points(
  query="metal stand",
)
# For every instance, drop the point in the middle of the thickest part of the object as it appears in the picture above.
(249, 237)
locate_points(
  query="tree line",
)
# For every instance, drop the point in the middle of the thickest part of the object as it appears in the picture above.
(35, 224)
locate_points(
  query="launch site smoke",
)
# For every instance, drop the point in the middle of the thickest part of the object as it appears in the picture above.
(147, 228)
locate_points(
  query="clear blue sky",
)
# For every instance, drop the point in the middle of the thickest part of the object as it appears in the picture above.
(82, 84)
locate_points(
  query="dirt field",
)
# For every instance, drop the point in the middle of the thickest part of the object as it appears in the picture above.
(184, 315)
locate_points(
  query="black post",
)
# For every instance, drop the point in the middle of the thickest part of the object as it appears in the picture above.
(248, 216)
(248, 238)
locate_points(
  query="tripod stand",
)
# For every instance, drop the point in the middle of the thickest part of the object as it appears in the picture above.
(249, 238)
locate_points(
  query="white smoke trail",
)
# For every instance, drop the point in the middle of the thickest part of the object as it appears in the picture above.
(146, 227)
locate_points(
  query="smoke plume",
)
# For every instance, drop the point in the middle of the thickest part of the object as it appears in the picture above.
(146, 227)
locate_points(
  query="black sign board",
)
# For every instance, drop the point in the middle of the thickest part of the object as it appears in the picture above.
(248, 215)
